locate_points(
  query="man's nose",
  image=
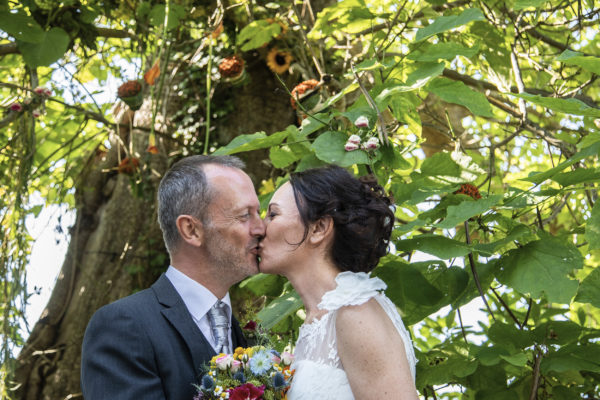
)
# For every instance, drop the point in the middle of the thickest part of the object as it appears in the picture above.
(258, 227)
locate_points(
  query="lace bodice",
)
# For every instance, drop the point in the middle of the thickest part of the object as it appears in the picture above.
(319, 372)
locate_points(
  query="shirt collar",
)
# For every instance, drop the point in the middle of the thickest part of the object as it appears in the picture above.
(197, 298)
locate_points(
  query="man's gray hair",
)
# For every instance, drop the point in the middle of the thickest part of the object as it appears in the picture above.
(184, 190)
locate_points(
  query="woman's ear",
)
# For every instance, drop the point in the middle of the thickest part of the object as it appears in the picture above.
(190, 229)
(321, 231)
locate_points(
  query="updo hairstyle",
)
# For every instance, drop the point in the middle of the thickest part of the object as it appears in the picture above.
(361, 213)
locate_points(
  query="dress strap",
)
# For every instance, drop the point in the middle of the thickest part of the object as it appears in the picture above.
(353, 288)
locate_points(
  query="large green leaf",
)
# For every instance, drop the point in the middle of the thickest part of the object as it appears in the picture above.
(516, 233)
(282, 156)
(22, 27)
(467, 209)
(445, 23)
(541, 268)
(440, 164)
(509, 336)
(436, 245)
(423, 73)
(257, 33)
(539, 177)
(567, 106)
(588, 63)
(442, 51)
(176, 13)
(264, 284)
(329, 147)
(279, 309)
(573, 358)
(254, 141)
(580, 175)
(557, 332)
(458, 93)
(589, 289)
(52, 47)
(592, 228)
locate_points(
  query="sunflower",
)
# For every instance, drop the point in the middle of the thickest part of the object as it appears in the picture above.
(278, 61)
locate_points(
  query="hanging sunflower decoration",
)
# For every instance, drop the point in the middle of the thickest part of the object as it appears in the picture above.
(131, 93)
(279, 61)
(301, 90)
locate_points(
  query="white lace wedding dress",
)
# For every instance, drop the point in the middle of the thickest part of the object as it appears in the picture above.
(319, 372)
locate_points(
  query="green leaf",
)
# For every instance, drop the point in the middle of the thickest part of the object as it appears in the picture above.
(416, 79)
(541, 268)
(573, 358)
(282, 157)
(516, 233)
(445, 23)
(523, 4)
(489, 356)
(589, 289)
(467, 209)
(440, 164)
(254, 141)
(509, 336)
(445, 50)
(458, 93)
(580, 175)
(264, 284)
(176, 14)
(52, 47)
(592, 228)
(588, 63)
(436, 245)
(539, 177)
(518, 360)
(567, 106)
(447, 370)
(257, 33)
(22, 27)
(329, 147)
(279, 309)
(557, 332)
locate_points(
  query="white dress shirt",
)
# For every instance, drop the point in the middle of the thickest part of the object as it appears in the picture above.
(198, 301)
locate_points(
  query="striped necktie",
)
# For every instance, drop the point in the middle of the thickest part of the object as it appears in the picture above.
(219, 323)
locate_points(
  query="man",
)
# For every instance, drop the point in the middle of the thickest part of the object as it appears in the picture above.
(152, 345)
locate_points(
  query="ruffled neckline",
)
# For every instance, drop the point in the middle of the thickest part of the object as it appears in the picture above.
(353, 289)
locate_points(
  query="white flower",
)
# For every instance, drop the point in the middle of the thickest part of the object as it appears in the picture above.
(218, 390)
(350, 146)
(287, 358)
(36, 113)
(354, 139)
(235, 365)
(224, 362)
(362, 122)
(372, 143)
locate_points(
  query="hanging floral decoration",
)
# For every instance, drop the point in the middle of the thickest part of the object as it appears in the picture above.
(279, 61)
(469, 190)
(302, 90)
(233, 70)
(131, 93)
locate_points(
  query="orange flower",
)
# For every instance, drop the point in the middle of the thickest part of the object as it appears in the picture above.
(128, 165)
(302, 88)
(152, 149)
(279, 61)
(469, 190)
(153, 73)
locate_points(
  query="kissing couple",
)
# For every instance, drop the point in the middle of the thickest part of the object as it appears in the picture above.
(324, 230)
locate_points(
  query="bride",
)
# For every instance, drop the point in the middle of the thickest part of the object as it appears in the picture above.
(325, 231)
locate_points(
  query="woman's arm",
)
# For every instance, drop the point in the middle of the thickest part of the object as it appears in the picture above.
(372, 353)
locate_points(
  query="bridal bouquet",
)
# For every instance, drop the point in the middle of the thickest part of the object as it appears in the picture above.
(253, 373)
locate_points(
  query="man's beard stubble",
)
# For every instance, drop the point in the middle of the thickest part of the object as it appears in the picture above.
(229, 261)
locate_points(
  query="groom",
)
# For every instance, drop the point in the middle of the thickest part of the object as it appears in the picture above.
(151, 345)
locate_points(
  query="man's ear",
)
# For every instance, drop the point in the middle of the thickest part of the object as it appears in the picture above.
(190, 229)
(321, 230)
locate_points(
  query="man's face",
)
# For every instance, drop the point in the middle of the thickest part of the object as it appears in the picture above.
(233, 227)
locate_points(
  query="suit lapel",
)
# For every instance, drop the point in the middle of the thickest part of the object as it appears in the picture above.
(178, 315)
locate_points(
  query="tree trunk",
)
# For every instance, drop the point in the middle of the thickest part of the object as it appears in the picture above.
(116, 245)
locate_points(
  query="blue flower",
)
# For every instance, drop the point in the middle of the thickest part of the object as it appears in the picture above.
(279, 381)
(260, 363)
(208, 383)
(239, 376)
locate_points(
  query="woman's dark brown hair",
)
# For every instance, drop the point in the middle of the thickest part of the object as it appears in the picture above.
(361, 213)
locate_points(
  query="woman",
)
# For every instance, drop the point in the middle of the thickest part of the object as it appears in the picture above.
(325, 230)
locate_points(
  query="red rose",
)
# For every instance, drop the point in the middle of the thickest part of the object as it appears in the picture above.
(246, 392)
(250, 326)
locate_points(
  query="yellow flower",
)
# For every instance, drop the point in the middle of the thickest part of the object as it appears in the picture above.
(238, 353)
(278, 61)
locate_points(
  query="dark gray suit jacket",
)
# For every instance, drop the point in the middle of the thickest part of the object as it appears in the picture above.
(145, 346)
